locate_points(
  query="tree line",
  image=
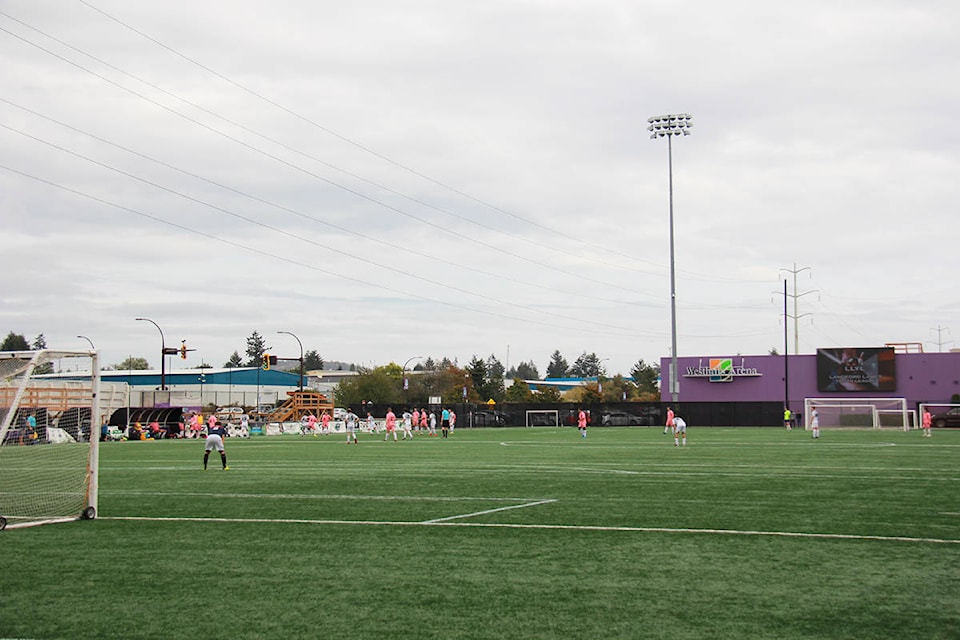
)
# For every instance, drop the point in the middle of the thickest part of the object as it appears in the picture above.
(480, 380)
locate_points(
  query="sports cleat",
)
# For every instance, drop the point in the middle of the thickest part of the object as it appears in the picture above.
(226, 468)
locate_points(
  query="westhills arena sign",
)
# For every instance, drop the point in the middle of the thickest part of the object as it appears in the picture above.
(722, 370)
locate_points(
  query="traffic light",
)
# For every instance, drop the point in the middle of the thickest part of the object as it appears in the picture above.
(183, 350)
(266, 362)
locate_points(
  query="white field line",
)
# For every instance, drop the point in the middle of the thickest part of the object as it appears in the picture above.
(318, 496)
(481, 513)
(556, 527)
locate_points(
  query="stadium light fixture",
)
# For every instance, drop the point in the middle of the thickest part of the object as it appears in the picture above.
(668, 126)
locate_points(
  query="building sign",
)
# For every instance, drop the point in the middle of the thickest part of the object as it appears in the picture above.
(722, 370)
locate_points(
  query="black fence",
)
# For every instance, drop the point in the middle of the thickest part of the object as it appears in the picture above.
(608, 414)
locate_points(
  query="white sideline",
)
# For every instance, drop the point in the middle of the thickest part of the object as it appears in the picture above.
(560, 527)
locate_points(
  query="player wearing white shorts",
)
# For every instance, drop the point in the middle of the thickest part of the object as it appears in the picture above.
(815, 423)
(679, 431)
(407, 425)
(215, 441)
(351, 420)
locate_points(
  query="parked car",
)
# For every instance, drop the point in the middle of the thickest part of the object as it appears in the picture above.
(950, 418)
(621, 419)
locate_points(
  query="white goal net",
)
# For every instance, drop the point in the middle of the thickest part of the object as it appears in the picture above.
(857, 413)
(49, 434)
(543, 418)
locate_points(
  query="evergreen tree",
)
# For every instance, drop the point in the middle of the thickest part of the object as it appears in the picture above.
(586, 366)
(646, 377)
(558, 367)
(312, 360)
(256, 347)
(234, 361)
(40, 342)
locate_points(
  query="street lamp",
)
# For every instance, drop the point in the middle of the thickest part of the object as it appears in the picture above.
(301, 355)
(92, 348)
(203, 378)
(668, 126)
(404, 372)
(164, 352)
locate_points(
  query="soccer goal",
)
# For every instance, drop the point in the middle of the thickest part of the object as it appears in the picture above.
(944, 414)
(49, 435)
(543, 418)
(858, 413)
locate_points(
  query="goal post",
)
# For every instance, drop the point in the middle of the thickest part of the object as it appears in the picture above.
(858, 413)
(49, 436)
(542, 418)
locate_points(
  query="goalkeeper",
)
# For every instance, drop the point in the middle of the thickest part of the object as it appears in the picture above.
(215, 436)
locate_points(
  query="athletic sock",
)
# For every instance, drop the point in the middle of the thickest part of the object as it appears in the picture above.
(206, 456)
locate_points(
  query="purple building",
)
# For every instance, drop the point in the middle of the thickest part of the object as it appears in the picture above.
(830, 373)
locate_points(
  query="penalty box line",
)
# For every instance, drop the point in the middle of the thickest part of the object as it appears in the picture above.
(553, 527)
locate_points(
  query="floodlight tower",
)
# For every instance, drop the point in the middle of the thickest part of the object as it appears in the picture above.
(667, 127)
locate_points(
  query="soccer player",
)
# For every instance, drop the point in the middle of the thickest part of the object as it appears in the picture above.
(679, 429)
(371, 423)
(407, 425)
(927, 422)
(453, 421)
(416, 419)
(433, 423)
(325, 422)
(423, 420)
(815, 422)
(351, 420)
(786, 418)
(445, 422)
(391, 421)
(582, 422)
(215, 435)
(669, 424)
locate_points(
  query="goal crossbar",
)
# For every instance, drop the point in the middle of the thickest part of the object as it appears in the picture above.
(859, 412)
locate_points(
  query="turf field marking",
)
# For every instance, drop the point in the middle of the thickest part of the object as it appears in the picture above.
(323, 496)
(481, 513)
(555, 527)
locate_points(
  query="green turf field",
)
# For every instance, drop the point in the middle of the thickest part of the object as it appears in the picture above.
(506, 533)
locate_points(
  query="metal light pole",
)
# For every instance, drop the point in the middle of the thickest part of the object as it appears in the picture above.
(659, 127)
(301, 355)
(92, 348)
(404, 373)
(164, 352)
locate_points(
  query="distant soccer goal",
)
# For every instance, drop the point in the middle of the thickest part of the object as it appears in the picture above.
(543, 418)
(49, 435)
(858, 413)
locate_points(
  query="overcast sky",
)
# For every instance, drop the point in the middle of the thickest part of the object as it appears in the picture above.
(436, 178)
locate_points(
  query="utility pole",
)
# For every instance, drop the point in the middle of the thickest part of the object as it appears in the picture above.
(940, 341)
(796, 296)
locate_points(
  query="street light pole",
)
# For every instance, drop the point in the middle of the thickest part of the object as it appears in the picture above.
(92, 348)
(659, 127)
(301, 355)
(403, 375)
(163, 354)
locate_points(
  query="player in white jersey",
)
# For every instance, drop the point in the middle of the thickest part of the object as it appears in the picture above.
(679, 431)
(351, 420)
(407, 425)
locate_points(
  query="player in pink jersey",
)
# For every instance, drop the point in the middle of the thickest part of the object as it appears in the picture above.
(926, 423)
(391, 422)
(416, 419)
(325, 422)
(582, 423)
(669, 424)
(423, 420)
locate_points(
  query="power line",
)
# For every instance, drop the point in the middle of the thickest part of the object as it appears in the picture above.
(345, 188)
